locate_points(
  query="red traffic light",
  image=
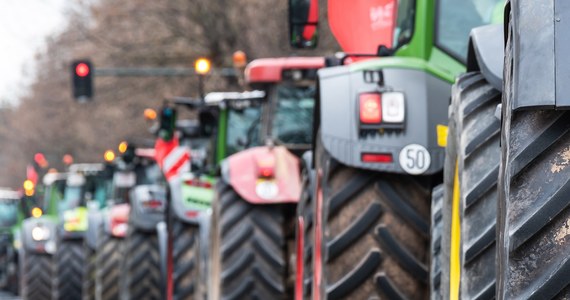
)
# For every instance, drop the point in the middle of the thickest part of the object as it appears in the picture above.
(82, 70)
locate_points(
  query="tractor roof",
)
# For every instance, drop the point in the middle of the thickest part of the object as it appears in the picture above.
(271, 69)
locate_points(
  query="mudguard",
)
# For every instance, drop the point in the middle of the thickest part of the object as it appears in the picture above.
(46, 245)
(541, 42)
(241, 171)
(116, 220)
(485, 54)
(148, 204)
(189, 202)
(426, 100)
(94, 220)
(162, 236)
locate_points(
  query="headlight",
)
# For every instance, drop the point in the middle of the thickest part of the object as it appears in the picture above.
(40, 233)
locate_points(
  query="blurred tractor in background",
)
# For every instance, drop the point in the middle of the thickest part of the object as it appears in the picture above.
(252, 230)
(12, 212)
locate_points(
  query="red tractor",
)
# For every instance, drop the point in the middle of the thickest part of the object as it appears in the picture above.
(252, 229)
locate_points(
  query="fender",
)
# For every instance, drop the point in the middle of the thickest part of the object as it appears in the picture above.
(116, 220)
(540, 43)
(426, 100)
(242, 172)
(162, 237)
(46, 244)
(148, 204)
(94, 220)
(486, 52)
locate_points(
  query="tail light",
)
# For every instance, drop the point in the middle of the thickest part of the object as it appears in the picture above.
(377, 157)
(370, 108)
(382, 109)
(152, 204)
(198, 183)
(266, 166)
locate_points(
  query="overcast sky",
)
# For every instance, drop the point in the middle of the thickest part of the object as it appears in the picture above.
(24, 25)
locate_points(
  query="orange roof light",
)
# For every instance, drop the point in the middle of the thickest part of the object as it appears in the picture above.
(202, 66)
(123, 147)
(150, 114)
(239, 59)
(28, 185)
(109, 156)
(67, 159)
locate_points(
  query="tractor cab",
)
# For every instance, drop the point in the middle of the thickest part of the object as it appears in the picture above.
(10, 212)
(287, 116)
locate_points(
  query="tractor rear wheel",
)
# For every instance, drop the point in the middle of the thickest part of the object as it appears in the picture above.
(69, 261)
(470, 196)
(185, 255)
(375, 233)
(534, 211)
(108, 270)
(250, 250)
(37, 273)
(89, 274)
(141, 277)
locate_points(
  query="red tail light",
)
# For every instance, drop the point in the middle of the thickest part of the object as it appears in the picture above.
(199, 183)
(266, 166)
(377, 157)
(370, 108)
(152, 204)
(192, 213)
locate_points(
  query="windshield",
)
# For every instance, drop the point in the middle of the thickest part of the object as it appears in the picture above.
(293, 120)
(8, 213)
(243, 128)
(405, 21)
(71, 198)
(456, 18)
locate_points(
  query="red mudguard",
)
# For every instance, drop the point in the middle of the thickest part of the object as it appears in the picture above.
(250, 168)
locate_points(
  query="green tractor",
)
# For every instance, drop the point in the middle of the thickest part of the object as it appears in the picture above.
(12, 211)
(363, 230)
(38, 241)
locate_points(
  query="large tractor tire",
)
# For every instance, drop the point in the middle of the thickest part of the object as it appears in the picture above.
(534, 211)
(250, 250)
(141, 277)
(89, 273)
(470, 203)
(69, 261)
(185, 255)
(108, 258)
(375, 233)
(305, 231)
(37, 273)
(436, 251)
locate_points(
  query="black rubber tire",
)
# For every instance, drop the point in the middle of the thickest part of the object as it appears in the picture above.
(473, 144)
(185, 254)
(141, 277)
(375, 233)
(37, 273)
(305, 210)
(108, 258)
(89, 274)
(249, 243)
(68, 261)
(435, 248)
(534, 211)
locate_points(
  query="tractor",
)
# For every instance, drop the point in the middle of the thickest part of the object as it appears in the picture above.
(504, 206)
(12, 212)
(363, 223)
(38, 241)
(251, 231)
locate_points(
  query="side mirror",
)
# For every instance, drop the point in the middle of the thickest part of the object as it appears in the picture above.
(167, 123)
(303, 23)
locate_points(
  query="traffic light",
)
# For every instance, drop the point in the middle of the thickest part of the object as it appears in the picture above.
(82, 73)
